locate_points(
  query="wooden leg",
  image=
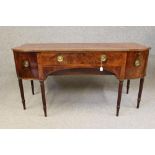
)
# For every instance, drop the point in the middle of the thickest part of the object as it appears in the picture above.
(22, 92)
(119, 97)
(32, 87)
(140, 91)
(43, 97)
(128, 86)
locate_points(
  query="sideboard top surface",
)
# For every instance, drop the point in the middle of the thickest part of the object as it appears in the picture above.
(63, 47)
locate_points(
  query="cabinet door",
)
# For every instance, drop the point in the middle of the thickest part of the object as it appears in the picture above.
(26, 65)
(136, 64)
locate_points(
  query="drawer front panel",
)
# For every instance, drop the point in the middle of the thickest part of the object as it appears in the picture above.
(136, 64)
(26, 65)
(82, 59)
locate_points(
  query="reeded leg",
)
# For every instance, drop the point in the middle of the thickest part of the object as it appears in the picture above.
(22, 92)
(128, 86)
(140, 91)
(119, 96)
(43, 97)
(32, 87)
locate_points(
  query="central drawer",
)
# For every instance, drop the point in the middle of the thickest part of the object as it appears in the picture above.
(82, 58)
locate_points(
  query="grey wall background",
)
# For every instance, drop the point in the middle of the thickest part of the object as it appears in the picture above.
(14, 36)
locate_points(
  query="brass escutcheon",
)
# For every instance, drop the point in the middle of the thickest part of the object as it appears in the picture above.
(26, 63)
(103, 58)
(60, 58)
(137, 63)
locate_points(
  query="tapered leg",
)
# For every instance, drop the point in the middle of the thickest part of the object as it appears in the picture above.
(140, 91)
(119, 96)
(22, 92)
(32, 87)
(128, 86)
(43, 97)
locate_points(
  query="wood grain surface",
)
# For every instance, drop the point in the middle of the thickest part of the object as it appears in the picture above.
(38, 61)
(43, 61)
(81, 47)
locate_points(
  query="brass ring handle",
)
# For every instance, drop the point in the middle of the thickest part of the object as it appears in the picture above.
(137, 63)
(26, 63)
(103, 58)
(60, 58)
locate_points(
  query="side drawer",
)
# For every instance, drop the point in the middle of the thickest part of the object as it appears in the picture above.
(26, 65)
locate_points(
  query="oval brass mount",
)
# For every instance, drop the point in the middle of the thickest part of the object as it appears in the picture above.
(26, 63)
(137, 63)
(103, 58)
(60, 58)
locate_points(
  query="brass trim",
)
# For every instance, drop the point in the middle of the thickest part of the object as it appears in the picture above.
(60, 58)
(137, 63)
(103, 58)
(26, 63)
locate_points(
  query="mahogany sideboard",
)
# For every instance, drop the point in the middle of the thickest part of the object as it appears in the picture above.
(124, 60)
